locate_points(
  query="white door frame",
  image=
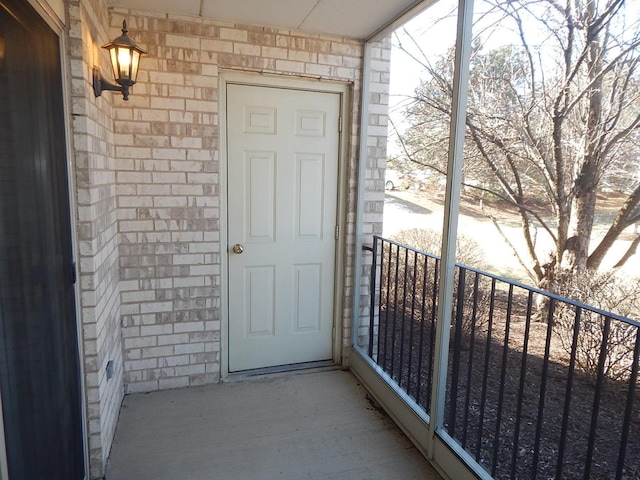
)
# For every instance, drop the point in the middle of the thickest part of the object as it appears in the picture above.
(293, 83)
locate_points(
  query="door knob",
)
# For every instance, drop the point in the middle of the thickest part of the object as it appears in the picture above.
(237, 248)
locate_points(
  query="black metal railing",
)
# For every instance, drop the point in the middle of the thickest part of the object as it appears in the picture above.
(538, 386)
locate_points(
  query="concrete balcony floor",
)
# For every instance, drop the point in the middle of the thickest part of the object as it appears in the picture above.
(316, 424)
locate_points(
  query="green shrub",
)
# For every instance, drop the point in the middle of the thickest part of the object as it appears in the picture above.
(468, 251)
(412, 281)
(607, 292)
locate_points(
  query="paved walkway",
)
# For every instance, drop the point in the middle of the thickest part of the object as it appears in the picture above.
(317, 425)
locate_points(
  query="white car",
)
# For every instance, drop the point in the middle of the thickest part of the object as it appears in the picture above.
(393, 179)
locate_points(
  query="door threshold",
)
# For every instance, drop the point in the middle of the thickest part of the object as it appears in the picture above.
(306, 367)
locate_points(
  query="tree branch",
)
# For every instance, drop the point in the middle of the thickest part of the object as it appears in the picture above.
(632, 250)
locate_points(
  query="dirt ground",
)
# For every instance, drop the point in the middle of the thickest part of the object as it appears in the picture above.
(498, 399)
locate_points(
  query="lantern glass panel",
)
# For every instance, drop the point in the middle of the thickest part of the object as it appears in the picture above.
(124, 62)
(135, 62)
(113, 52)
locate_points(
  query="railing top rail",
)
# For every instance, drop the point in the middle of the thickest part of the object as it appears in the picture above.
(515, 283)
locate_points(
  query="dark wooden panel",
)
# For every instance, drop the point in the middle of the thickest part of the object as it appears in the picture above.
(39, 366)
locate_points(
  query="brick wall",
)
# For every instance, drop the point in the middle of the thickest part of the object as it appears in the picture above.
(97, 229)
(168, 182)
(148, 193)
(375, 170)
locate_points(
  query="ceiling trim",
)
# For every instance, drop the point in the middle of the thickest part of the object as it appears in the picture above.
(414, 9)
(308, 13)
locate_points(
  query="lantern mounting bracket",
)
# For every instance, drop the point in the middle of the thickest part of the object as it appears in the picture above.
(100, 85)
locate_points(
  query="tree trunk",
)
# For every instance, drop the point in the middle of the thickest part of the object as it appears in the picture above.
(576, 252)
(621, 222)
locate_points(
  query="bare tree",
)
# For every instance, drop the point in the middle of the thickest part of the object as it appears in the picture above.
(553, 117)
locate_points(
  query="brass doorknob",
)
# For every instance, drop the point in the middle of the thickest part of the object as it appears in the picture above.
(237, 248)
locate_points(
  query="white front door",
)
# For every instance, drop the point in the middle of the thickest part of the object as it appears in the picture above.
(282, 199)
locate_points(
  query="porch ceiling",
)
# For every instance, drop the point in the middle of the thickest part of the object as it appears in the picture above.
(357, 19)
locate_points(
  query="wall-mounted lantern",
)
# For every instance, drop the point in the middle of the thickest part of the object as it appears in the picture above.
(2, 49)
(125, 60)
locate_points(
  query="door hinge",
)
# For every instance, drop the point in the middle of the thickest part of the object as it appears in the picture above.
(74, 274)
(340, 124)
(333, 333)
(337, 232)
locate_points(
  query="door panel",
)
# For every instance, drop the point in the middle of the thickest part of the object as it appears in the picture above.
(260, 301)
(260, 168)
(39, 368)
(307, 295)
(283, 173)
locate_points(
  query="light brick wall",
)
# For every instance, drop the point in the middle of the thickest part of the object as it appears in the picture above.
(148, 194)
(168, 182)
(97, 229)
(374, 177)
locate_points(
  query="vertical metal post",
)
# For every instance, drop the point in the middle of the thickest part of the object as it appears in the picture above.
(452, 207)
(372, 302)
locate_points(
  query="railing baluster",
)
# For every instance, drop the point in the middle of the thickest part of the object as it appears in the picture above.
(628, 412)
(457, 347)
(523, 374)
(596, 397)
(567, 401)
(422, 320)
(503, 374)
(403, 314)
(485, 379)
(395, 311)
(388, 310)
(543, 389)
(472, 341)
(372, 303)
(432, 337)
(412, 321)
